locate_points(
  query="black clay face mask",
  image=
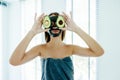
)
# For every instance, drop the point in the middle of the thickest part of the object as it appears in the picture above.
(54, 23)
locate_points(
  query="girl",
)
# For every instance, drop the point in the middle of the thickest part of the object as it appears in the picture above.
(55, 54)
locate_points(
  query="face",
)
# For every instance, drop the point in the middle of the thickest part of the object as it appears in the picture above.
(54, 23)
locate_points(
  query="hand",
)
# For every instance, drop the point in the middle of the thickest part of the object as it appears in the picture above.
(37, 26)
(70, 24)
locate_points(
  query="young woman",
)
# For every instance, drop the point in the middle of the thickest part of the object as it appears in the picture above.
(55, 54)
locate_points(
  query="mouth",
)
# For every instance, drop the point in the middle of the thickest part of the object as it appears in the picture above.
(55, 31)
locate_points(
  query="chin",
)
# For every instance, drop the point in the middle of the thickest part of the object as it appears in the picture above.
(55, 34)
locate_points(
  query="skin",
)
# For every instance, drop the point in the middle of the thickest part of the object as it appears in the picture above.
(50, 49)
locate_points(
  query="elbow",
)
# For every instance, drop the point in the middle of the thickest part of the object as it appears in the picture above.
(13, 62)
(100, 53)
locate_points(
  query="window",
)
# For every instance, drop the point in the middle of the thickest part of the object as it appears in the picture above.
(31, 70)
(2, 6)
(83, 13)
(0, 41)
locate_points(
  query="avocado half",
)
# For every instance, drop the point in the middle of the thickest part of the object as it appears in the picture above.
(60, 22)
(46, 22)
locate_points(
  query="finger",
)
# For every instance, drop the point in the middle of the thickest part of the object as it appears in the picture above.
(64, 13)
(71, 14)
(35, 17)
(45, 30)
(63, 29)
(41, 17)
(65, 16)
(42, 30)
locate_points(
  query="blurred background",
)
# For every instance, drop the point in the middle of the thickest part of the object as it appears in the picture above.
(99, 18)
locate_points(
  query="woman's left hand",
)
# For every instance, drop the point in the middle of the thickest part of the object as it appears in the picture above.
(70, 24)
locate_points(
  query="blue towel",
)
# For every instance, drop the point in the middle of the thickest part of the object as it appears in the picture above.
(57, 69)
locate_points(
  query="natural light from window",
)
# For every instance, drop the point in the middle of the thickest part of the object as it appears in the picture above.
(0, 42)
(84, 14)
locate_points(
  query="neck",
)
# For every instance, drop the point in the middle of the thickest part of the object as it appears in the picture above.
(56, 42)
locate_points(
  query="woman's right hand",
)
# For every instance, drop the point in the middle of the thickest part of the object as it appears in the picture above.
(37, 26)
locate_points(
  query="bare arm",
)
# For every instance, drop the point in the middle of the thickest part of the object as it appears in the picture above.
(20, 55)
(94, 49)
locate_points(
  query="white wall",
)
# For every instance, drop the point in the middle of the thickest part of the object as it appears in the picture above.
(53, 6)
(5, 44)
(108, 31)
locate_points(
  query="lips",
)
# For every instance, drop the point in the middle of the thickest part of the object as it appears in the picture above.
(55, 31)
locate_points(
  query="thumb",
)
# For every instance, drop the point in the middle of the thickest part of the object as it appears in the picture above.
(63, 29)
(45, 30)
(42, 30)
(35, 17)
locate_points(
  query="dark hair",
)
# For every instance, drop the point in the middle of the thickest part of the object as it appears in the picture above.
(47, 36)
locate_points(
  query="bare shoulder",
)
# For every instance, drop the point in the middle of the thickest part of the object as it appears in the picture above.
(42, 46)
(73, 47)
(37, 49)
(82, 51)
(70, 46)
(42, 49)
